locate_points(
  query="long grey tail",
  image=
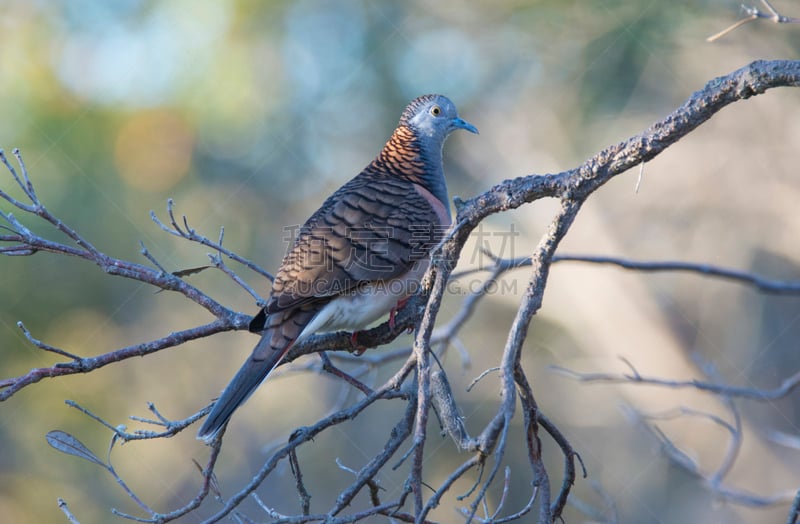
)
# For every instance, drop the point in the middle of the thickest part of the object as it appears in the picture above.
(243, 384)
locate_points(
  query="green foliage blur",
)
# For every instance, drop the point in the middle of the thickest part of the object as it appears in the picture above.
(248, 114)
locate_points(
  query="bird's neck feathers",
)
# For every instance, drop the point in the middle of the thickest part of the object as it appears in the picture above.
(419, 161)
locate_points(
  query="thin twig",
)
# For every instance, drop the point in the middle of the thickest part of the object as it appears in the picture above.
(190, 234)
(777, 287)
(795, 509)
(46, 347)
(62, 505)
(10, 386)
(752, 13)
(302, 491)
(787, 386)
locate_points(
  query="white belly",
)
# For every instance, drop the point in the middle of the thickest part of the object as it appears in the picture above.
(351, 312)
(356, 310)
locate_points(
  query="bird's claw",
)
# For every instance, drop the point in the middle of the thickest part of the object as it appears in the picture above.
(393, 312)
(358, 349)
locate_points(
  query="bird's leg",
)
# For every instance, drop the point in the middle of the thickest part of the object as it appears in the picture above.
(397, 307)
(358, 349)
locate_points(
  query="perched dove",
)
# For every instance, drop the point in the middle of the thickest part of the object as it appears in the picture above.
(359, 254)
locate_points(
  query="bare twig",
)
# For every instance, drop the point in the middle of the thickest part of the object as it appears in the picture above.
(795, 509)
(190, 234)
(172, 427)
(681, 459)
(219, 263)
(46, 347)
(10, 386)
(786, 387)
(302, 491)
(62, 505)
(766, 285)
(715, 480)
(366, 476)
(389, 390)
(328, 367)
(752, 13)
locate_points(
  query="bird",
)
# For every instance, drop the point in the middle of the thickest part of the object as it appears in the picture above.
(360, 254)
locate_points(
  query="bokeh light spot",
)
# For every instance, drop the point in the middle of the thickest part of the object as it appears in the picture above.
(153, 150)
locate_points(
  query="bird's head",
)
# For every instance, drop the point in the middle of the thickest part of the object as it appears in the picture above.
(434, 116)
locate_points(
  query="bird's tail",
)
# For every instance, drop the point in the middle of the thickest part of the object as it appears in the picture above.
(276, 341)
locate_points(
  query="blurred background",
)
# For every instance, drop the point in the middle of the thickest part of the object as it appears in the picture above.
(249, 114)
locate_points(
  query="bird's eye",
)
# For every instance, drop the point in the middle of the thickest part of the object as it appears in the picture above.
(436, 110)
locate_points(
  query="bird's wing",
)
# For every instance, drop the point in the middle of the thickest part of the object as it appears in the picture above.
(370, 230)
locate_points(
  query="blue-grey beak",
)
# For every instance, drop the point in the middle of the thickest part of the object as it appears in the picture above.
(463, 124)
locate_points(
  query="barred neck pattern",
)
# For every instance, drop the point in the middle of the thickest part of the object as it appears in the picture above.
(404, 157)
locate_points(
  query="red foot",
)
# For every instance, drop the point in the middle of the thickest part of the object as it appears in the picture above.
(358, 349)
(393, 312)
